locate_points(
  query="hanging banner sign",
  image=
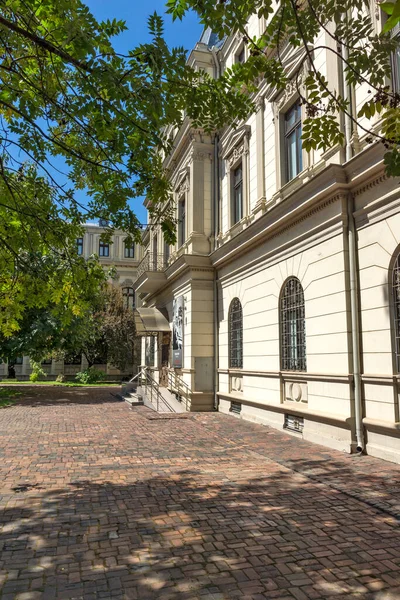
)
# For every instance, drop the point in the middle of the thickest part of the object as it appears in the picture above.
(177, 341)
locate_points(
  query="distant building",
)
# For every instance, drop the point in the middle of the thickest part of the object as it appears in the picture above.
(125, 258)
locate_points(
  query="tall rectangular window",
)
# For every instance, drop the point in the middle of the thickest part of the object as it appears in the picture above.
(129, 250)
(181, 222)
(79, 246)
(104, 249)
(237, 208)
(396, 67)
(293, 149)
(166, 253)
(241, 56)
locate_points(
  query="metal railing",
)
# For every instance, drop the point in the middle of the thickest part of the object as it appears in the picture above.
(152, 391)
(151, 262)
(181, 389)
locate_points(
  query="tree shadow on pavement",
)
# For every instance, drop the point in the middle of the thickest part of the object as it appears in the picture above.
(232, 534)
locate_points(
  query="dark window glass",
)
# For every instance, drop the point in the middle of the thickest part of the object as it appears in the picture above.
(181, 222)
(19, 360)
(235, 329)
(104, 249)
(166, 253)
(129, 250)
(294, 159)
(79, 245)
(396, 67)
(47, 361)
(293, 327)
(237, 213)
(396, 310)
(129, 297)
(241, 56)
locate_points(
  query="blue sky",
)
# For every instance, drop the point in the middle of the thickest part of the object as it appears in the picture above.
(136, 13)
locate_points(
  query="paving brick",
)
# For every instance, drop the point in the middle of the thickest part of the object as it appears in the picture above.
(100, 501)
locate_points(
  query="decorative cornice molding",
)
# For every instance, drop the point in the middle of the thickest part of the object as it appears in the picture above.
(371, 184)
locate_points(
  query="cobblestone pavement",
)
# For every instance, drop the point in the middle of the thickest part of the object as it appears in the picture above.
(101, 501)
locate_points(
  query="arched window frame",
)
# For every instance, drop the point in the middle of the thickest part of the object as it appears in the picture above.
(235, 334)
(394, 282)
(292, 326)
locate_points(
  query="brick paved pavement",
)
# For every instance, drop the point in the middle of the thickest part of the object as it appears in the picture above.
(100, 501)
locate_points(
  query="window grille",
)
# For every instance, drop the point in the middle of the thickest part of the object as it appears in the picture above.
(294, 423)
(396, 309)
(293, 144)
(237, 195)
(235, 324)
(79, 246)
(235, 408)
(104, 249)
(129, 250)
(129, 297)
(293, 327)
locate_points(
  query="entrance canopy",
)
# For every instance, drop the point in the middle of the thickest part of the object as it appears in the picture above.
(150, 321)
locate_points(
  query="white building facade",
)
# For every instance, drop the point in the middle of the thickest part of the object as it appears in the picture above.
(284, 282)
(125, 258)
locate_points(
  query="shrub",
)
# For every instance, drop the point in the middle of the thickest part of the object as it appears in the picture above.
(90, 375)
(37, 372)
(60, 378)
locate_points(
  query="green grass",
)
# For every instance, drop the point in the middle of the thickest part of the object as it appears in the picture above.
(8, 382)
(8, 397)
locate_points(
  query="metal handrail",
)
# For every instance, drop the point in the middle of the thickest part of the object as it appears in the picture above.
(146, 380)
(151, 262)
(179, 387)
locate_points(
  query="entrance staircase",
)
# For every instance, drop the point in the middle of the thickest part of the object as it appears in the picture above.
(144, 389)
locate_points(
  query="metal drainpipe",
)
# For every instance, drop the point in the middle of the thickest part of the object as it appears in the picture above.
(354, 291)
(215, 231)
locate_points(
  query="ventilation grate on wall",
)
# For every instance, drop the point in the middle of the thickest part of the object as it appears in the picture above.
(294, 423)
(235, 408)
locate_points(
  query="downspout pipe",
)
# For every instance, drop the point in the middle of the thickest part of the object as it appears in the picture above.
(353, 275)
(215, 231)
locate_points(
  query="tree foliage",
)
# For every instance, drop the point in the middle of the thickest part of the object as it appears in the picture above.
(66, 94)
(103, 332)
(351, 37)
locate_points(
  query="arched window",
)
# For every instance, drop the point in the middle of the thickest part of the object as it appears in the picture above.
(396, 310)
(235, 324)
(129, 297)
(293, 327)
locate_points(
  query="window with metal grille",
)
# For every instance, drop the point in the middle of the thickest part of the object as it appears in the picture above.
(237, 212)
(235, 325)
(129, 249)
(293, 327)
(294, 423)
(129, 297)
(104, 249)
(396, 310)
(235, 408)
(79, 246)
(293, 144)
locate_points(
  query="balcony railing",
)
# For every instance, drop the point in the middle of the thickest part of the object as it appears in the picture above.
(151, 262)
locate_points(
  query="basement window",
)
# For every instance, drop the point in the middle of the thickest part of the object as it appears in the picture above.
(293, 423)
(236, 408)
